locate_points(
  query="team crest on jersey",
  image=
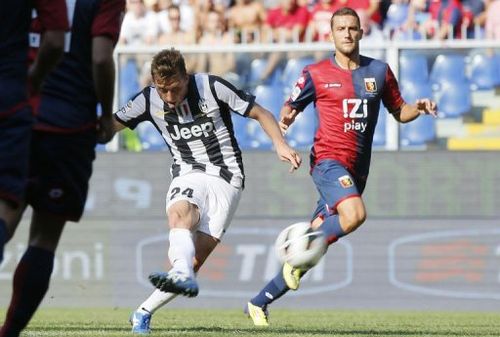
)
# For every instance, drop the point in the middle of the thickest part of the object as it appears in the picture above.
(202, 104)
(370, 85)
(346, 181)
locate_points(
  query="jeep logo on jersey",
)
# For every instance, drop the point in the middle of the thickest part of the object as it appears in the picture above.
(191, 131)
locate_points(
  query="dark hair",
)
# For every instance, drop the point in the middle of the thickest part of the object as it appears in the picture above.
(168, 63)
(174, 7)
(344, 11)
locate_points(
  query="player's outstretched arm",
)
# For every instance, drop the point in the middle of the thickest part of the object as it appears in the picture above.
(409, 112)
(270, 126)
(287, 117)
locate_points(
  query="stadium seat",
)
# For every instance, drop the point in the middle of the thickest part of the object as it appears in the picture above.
(257, 137)
(257, 67)
(454, 99)
(240, 126)
(292, 72)
(484, 72)
(423, 129)
(448, 68)
(418, 132)
(413, 68)
(379, 135)
(396, 16)
(150, 138)
(406, 35)
(411, 91)
(301, 133)
(270, 97)
(129, 81)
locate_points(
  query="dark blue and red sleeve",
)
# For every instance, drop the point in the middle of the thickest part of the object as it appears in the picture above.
(391, 97)
(303, 92)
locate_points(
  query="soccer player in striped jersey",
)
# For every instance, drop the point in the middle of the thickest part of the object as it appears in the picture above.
(347, 90)
(193, 114)
(63, 142)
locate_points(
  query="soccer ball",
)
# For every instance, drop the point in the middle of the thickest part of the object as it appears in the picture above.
(300, 246)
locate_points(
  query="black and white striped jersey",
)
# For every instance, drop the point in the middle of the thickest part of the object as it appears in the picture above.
(199, 131)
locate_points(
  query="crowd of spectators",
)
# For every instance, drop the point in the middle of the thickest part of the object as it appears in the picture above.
(219, 22)
(249, 21)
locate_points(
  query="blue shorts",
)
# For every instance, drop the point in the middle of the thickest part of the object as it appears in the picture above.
(334, 184)
(15, 136)
(60, 170)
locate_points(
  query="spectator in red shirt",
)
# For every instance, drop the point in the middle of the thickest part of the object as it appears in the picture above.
(372, 7)
(446, 19)
(321, 14)
(285, 23)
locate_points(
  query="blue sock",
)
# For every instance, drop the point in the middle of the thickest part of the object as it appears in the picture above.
(271, 292)
(332, 229)
(31, 281)
(3, 237)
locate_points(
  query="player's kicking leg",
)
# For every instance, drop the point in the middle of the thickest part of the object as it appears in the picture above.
(141, 317)
(215, 202)
(183, 217)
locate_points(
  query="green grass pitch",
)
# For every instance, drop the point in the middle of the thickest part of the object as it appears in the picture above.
(299, 323)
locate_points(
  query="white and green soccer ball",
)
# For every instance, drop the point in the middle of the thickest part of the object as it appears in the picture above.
(300, 246)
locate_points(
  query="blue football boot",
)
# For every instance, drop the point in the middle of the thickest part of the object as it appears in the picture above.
(140, 322)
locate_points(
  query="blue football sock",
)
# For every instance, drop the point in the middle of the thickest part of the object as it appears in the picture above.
(31, 282)
(271, 292)
(3, 237)
(332, 229)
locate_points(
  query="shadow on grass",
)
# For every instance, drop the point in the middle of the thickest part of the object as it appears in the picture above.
(279, 331)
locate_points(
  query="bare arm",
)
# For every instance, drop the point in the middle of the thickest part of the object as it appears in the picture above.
(410, 112)
(117, 126)
(50, 52)
(103, 71)
(270, 126)
(287, 117)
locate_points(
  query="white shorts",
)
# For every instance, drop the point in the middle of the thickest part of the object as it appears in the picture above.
(216, 199)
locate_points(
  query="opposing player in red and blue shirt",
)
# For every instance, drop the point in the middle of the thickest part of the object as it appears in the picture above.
(63, 143)
(347, 90)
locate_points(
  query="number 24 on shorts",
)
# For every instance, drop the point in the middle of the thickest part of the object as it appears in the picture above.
(187, 192)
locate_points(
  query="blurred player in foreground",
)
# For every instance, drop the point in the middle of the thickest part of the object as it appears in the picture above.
(16, 118)
(347, 89)
(63, 144)
(193, 114)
